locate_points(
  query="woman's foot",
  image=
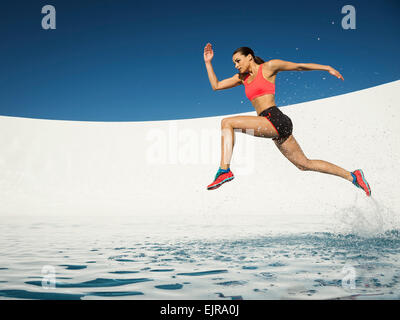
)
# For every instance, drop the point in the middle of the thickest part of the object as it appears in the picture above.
(221, 177)
(360, 182)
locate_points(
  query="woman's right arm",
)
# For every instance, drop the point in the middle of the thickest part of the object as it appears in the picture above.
(226, 83)
(215, 84)
(211, 76)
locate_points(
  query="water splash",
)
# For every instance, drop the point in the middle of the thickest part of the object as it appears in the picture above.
(366, 217)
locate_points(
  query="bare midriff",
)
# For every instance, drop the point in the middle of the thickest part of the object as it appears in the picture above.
(262, 103)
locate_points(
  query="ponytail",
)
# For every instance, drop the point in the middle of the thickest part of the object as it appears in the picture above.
(258, 60)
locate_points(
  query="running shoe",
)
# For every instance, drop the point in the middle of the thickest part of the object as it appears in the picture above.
(220, 178)
(360, 182)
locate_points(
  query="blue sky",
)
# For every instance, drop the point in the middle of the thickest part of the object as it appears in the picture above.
(143, 60)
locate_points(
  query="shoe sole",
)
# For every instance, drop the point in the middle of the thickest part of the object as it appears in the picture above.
(220, 184)
(365, 182)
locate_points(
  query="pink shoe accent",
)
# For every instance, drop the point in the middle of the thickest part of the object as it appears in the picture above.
(221, 179)
(361, 182)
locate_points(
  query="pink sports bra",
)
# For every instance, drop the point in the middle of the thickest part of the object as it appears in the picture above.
(259, 86)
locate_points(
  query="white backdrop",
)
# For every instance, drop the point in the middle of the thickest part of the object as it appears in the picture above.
(50, 167)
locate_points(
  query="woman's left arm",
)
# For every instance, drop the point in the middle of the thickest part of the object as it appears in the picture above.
(280, 65)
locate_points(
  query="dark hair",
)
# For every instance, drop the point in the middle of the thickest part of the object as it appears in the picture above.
(245, 51)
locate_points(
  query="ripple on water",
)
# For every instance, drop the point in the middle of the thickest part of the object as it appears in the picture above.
(115, 294)
(162, 270)
(125, 260)
(175, 286)
(73, 267)
(23, 294)
(202, 273)
(231, 283)
(221, 295)
(99, 282)
(266, 275)
(277, 264)
(324, 283)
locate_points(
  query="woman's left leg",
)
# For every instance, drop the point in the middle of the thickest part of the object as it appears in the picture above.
(254, 125)
(292, 151)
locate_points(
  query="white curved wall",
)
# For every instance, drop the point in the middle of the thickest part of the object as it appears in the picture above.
(50, 167)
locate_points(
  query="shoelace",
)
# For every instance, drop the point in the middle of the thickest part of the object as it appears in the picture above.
(355, 180)
(219, 173)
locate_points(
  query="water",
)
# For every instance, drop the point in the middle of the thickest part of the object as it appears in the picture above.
(352, 254)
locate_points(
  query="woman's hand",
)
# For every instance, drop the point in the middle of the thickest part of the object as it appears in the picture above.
(208, 52)
(335, 73)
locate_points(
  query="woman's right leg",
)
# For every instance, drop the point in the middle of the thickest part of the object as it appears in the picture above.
(292, 151)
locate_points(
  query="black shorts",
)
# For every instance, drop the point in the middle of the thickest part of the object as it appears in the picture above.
(280, 121)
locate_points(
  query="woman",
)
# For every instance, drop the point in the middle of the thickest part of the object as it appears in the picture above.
(258, 78)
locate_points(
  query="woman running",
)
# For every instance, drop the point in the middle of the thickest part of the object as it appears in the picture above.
(258, 78)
